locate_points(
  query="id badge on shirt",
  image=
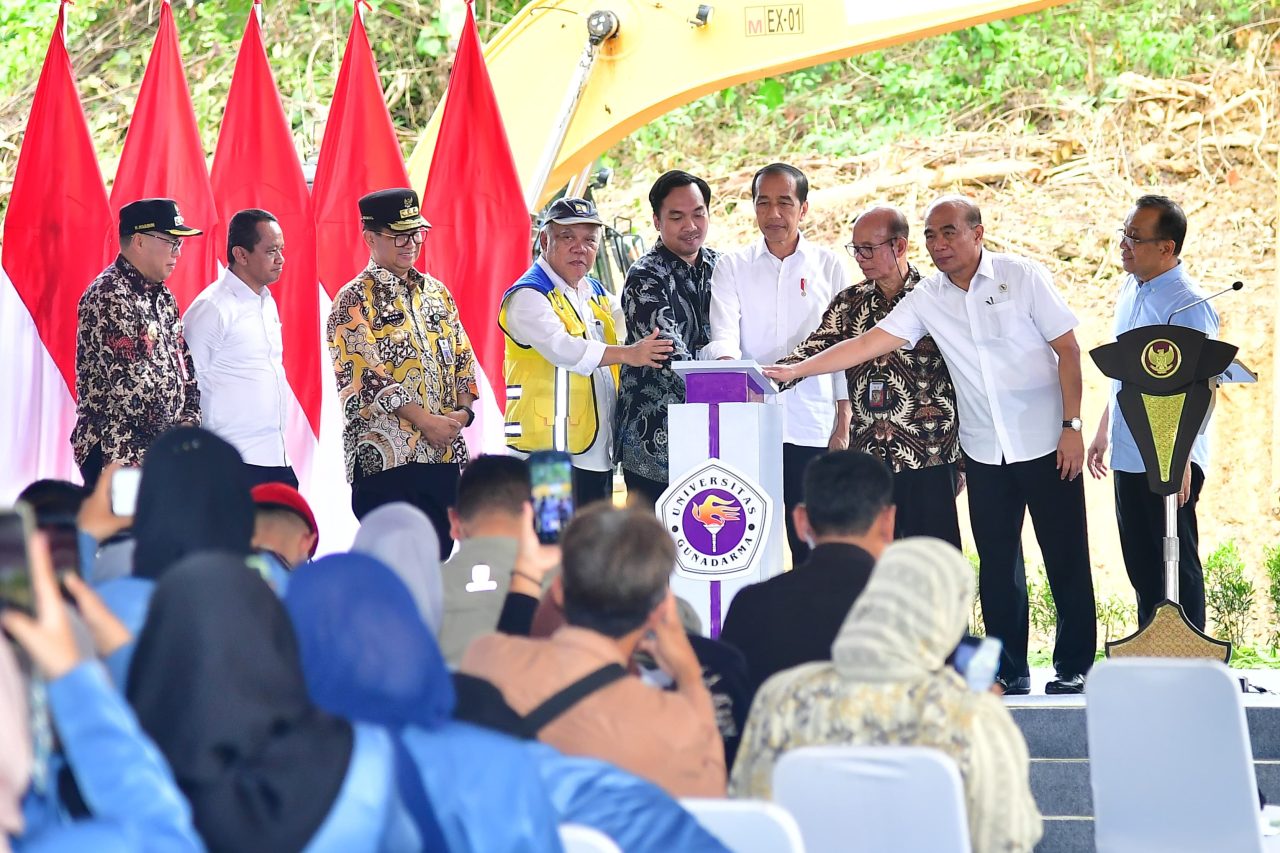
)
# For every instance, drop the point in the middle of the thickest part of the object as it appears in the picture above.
(445, 347)
(878, 392)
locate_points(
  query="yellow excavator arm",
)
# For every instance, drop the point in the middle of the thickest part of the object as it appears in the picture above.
(651, 57)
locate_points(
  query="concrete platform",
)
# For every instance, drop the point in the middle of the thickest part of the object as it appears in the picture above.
(1055, 731)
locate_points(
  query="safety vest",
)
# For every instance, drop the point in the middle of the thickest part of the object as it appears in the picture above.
(535, 385)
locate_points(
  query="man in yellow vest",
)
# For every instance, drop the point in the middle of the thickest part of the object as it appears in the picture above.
(562, 351)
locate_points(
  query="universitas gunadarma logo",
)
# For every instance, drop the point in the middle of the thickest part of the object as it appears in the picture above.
(719, 519)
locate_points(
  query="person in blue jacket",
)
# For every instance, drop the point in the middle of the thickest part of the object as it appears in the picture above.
(216, 681)
(125, 782)
(368, 655)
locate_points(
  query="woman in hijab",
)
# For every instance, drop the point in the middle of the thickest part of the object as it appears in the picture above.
(193, 497)
(402, 537)
(888, 684)
(123, 779)
(369, 655)
(217, 683)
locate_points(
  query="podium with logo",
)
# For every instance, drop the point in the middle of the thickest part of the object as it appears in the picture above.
(724, 504)
(1167, 378)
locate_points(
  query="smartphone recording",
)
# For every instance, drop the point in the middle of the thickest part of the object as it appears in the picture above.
(15, 559)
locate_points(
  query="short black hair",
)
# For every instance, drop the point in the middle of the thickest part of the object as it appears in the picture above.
(1172, 224)
(492, 483)
(615, 567)
(53, 501)
(674, 180)
(797, 176)
(243, 231)
(845, 491)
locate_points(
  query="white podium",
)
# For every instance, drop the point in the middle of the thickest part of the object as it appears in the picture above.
(724, 502)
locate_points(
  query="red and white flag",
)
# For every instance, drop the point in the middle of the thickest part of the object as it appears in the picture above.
(56, 237)
(480, 240)
(256, 165)
(164, 157)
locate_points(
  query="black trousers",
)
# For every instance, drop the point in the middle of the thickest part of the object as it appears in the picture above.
(926, 502)
(794, 459)
(641, 491)
(259, 474)
(591, 486)
(432, 488)
(999, 497)
(1140, 517)
(91, 468)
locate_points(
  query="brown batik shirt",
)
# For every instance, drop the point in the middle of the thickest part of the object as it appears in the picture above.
(395, 341)
(904, 403)
(134, 374)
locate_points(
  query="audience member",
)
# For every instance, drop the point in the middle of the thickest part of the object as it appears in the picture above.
(848, 519)
(403, 537)
(283, 524)
(218, 684)
(573, 688)
(890, 685)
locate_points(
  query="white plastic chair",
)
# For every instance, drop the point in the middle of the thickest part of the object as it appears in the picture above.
(577, 838)
(907, 799)
(748, 826)
(1170, 758)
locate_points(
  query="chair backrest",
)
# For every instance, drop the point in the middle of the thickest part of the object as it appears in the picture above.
(577, 838)
(748, 826)
(1170, 758)
(873, 798)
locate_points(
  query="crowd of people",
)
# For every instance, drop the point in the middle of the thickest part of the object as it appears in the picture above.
(448, 681)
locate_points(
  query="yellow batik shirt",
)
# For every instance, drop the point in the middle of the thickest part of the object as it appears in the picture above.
(395, 341)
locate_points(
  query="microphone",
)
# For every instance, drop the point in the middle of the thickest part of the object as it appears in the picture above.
(1235, 285)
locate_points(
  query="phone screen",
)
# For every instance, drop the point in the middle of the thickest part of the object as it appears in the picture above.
(15, 564)
(552, 475)
(124, 491)
(977, 659)
(64, 546)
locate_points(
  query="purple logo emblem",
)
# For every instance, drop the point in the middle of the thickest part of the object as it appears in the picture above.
(719, 520)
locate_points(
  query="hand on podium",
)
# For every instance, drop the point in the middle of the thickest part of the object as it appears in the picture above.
(781, 373)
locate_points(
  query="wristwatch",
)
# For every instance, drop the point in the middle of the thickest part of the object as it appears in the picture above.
(1074, 424)
(471, 416)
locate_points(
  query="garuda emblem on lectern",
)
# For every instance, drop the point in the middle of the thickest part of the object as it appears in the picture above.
(1161, 358)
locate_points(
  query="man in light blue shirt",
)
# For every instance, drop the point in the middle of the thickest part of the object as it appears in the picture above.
(1157, 285)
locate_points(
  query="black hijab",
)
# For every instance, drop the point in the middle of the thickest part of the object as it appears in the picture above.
(194, 496)
(217, 683)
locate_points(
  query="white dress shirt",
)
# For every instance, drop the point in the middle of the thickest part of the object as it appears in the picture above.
(762, 307)
(235, 339)
(994, 337)
(532, 321)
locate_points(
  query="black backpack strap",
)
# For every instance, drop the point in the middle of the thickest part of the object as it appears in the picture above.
(560, 702)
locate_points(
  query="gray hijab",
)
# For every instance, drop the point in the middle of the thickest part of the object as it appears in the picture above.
(401, 535)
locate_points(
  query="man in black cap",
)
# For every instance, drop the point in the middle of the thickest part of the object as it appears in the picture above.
(561, 351)
(406, 373)
(134, 375)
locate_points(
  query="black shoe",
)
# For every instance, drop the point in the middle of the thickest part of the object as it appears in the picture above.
(1065, 684)
(1015, 686)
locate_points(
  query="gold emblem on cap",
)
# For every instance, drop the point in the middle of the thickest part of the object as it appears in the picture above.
(409, 209)
(1161, 358)
(580, 207)
(177, 219)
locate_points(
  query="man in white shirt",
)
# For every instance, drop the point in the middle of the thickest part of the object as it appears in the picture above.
(561, 351)
(233, 331)
(1008, 340)
(765, 299)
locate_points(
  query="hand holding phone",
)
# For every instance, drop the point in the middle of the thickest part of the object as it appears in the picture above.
(552, 474)
(47, 637)
(977, 659)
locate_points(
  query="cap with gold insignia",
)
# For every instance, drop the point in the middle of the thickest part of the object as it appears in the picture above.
(396, 209)
(572, 211)
(154, 214)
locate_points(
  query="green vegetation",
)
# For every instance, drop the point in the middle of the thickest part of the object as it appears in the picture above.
(1228, 593)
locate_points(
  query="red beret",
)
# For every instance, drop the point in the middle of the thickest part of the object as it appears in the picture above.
(287, 497)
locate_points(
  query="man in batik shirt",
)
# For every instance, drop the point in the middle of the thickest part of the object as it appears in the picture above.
(668, 289)
(406, 372)
(134, 375)
(902, 406)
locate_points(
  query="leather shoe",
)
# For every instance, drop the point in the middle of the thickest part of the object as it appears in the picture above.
(1020, 686)
(1065, 684)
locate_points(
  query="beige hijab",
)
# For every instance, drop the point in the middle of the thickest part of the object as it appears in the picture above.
(15, 746)
(910, 617)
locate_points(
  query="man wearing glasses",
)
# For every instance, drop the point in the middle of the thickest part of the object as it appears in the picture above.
(233, 330)
(134, 375)
(902, 404)
(1009, 342)
(1157, 285)
(406, 374)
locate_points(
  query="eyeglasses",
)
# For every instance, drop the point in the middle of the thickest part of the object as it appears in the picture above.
(401, 240)
(175, 245)
(866, 252)
(1126, 237)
